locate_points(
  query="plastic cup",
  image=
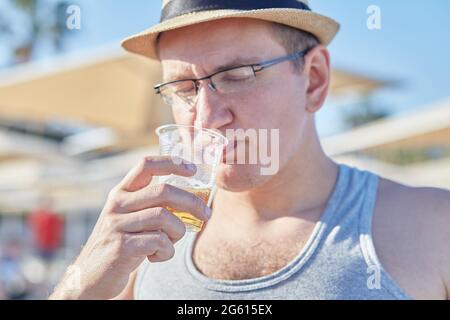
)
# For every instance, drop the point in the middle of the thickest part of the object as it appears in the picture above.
(204, 148)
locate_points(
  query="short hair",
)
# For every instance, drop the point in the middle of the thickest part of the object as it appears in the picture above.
(293, 40)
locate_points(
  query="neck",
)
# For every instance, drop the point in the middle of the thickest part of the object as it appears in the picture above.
(300, 189)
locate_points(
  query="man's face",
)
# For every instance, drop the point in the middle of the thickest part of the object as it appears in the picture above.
(276, 100)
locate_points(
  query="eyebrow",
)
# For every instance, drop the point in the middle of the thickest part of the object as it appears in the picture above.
(239, 61)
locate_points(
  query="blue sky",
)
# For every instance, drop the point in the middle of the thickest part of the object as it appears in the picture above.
(412, 45)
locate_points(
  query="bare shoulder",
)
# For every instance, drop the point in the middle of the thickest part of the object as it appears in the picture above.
(411, 228)
(426, 197)
(424, 207)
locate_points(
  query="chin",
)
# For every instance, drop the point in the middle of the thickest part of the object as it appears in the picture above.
(238, 178)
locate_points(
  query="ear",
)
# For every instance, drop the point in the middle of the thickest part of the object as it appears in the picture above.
(317, 73)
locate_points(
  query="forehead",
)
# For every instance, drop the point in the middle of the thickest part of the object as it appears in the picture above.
(214, 43)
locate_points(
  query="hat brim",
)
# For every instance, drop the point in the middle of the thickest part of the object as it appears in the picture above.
(324, 28)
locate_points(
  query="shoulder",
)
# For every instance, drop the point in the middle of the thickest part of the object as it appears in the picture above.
(422, 202)
(413, 223)
(429, 207)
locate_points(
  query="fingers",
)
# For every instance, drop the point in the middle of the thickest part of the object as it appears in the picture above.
(153, 219)
(161, 255)
(164, 253)
(164, 195)
(156, 245)
(141, 175)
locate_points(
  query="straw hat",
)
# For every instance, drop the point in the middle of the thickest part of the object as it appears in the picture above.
(180, 13)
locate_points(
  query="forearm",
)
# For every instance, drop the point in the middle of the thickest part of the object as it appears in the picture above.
(69, 287)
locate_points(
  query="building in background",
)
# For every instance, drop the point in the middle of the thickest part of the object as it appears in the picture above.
(413, 149)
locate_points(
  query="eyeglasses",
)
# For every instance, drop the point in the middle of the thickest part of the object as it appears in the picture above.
(231, 80)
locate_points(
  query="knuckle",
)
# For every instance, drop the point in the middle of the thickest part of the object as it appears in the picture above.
(112, 223)
(165, 219)
(105, 224)
(141, 221)
(149, 161)
(121, 244)
(122, 239)
(167, 190)
(162, 239)
(157, 190)
(145, 161)
(165, 254)
(113, 193)
(160, 216)
(164, 191)
(115, 204)
(116, 201)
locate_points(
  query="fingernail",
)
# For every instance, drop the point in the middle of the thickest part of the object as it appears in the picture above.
(208, 212)
(191, 167)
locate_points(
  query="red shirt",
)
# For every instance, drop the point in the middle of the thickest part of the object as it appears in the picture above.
(46, 226)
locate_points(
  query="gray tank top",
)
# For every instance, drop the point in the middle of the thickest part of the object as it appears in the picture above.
(338, 261)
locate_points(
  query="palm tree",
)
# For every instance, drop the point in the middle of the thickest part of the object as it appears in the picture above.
(362, 112)
(39, 27)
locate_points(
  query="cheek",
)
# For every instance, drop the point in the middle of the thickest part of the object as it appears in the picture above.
(254, 109)
(283, 108)
(287, 107)
(270, 107)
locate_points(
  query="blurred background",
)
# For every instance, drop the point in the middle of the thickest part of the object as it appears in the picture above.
(76, 113)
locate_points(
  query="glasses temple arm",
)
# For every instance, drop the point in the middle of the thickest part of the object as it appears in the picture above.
(295, 56)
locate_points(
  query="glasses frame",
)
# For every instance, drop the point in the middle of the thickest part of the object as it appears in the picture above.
(257, 67)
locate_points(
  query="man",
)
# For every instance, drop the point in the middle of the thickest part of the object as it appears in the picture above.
(313, 230)
(46, 227)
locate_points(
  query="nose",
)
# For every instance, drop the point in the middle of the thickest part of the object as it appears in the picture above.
(212, 110)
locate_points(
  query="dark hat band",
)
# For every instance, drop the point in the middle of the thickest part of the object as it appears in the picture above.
(177, 8)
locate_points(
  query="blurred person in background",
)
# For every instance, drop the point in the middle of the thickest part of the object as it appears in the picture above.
(46, 226)
(13, 284)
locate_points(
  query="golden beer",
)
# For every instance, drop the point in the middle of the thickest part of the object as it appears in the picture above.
(191, 222)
